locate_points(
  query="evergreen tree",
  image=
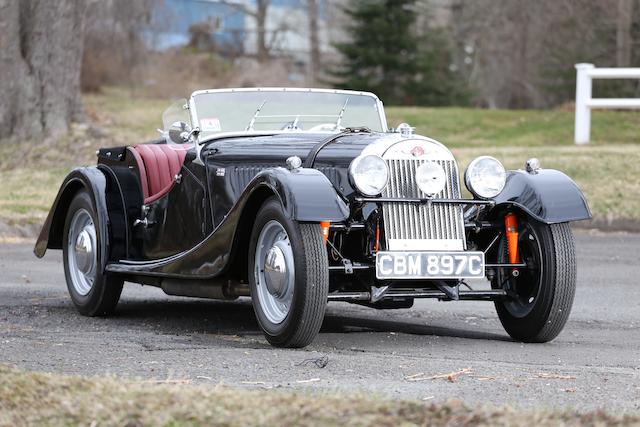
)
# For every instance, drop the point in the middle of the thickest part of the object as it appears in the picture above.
(389, 57)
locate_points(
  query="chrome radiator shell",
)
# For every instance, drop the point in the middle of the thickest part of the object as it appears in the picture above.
(421, 226)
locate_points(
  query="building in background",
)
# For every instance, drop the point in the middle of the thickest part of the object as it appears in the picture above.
(231, 28)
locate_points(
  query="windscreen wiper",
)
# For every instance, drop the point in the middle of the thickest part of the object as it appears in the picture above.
(255, 116)
(344, 107)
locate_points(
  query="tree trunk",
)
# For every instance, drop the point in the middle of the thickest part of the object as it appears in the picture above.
(623, 33)
(314, 42)
(261, 27)
(40, 60)
(519, 96)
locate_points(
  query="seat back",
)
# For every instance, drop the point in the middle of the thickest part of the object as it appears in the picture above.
(158, 165)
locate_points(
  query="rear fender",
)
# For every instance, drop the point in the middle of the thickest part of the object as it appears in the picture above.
(95, 182)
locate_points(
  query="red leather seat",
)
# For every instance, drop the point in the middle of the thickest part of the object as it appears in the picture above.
(158, 165)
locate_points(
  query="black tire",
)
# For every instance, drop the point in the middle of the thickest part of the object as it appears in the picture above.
(541, 298)
(310, 283)
(104, 294)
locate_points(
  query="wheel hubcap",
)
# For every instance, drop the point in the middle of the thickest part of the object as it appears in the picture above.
(84, 251)
(274, 272)
(81, 252)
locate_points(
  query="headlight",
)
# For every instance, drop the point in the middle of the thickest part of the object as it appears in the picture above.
(369, 174)
(430, 178)
(485, 177)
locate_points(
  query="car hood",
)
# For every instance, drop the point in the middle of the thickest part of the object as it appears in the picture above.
(256, 152)
(275, 149)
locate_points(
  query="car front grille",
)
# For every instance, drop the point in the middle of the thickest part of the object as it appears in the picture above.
(424, 226)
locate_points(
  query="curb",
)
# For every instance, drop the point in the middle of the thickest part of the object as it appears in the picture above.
(609, 225)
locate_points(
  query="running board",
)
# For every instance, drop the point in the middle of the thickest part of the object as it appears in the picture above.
(488, 295)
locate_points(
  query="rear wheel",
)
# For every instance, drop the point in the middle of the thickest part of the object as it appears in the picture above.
(92, 292)
(540, 295)
(288, 276)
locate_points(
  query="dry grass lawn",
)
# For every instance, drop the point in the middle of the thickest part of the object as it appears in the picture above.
(55, 400)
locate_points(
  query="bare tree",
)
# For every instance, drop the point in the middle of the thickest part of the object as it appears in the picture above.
(520, 53)
(314, 42)
(259, 14)
(623, 34)
(121, 23)
(41, 47)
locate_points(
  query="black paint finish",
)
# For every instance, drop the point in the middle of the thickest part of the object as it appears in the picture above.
(179, 220)
(549, 196)
(200, 229)
(306, 194)
(96, 183)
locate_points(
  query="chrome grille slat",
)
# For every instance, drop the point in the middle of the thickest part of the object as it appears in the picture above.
(447, 194)
(407, 221)
(406, 209)
(456, 211)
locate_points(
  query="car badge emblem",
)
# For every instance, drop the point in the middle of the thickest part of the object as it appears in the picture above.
(417, 151)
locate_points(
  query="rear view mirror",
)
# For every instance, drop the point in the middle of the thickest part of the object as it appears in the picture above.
(179, 132)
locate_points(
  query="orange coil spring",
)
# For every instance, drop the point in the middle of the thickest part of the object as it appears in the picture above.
(511, 229)
(324, 225)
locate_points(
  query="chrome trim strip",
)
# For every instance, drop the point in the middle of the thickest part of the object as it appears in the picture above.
(424, 200)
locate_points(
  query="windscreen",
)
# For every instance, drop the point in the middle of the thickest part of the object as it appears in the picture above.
(176, 112)
(285, 110)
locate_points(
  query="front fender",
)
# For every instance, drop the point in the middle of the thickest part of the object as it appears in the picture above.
(549, 196)
(95, 182)
(306, 194)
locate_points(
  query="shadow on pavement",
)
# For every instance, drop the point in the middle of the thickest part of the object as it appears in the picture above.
(342, 324)
(238, 318)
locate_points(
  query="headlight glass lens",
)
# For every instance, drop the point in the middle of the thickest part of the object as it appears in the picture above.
(485, 177)
(369, 174)
(430, 178)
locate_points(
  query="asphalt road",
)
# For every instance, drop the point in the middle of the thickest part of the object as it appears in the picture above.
(594, 363)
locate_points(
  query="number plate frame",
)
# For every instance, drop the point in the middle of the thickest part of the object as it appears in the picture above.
(412, 259)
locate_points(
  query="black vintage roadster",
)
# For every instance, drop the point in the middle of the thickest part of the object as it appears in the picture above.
(296, 197)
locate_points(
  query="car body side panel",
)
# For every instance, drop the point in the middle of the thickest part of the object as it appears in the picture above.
(549, 196)
(180, 219)
(174, 223)
(306, 194)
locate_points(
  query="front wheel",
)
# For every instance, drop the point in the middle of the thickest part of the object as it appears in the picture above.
(93, 292)
(288, 276)
(541, 295)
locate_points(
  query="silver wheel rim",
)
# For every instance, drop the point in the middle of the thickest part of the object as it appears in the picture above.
(274, 272)
(81, 252)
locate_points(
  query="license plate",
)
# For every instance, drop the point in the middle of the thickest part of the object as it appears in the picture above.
(429, 265)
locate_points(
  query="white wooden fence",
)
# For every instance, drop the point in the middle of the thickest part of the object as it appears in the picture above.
(584, 102)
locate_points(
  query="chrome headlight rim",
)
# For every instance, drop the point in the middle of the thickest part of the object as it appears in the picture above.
(474, 189)
(356, 181)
